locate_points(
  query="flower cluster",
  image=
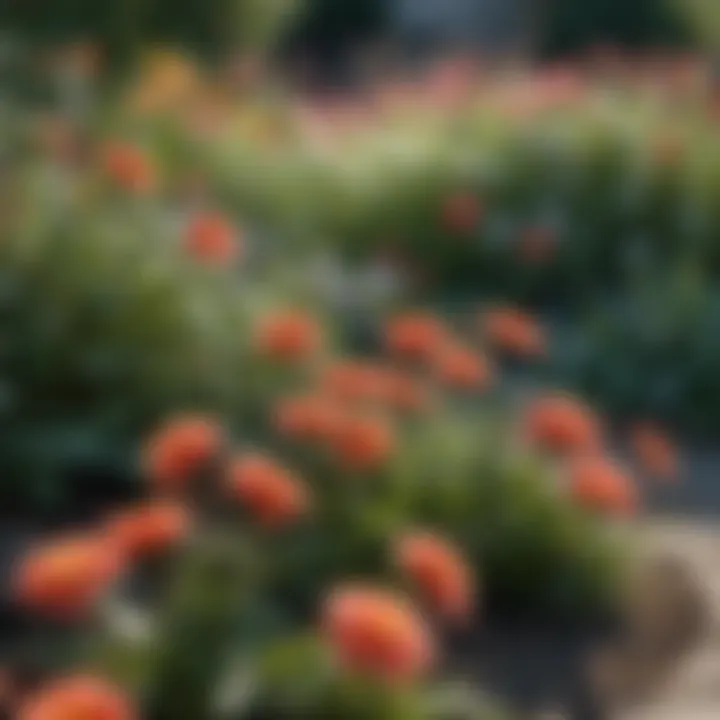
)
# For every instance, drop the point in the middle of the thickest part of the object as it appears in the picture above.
(387, 487)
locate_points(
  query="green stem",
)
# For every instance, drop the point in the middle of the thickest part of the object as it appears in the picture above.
(211, 590)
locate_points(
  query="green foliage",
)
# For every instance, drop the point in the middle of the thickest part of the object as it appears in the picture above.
(509, 510)
(123, 27)
(463, 473)
(109, 324)
(704, 20)
(235, 630)
(653, 355)
(621, 183)
(195, 638)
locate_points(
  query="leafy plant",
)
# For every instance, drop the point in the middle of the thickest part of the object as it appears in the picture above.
(109, 320)
(703, 19)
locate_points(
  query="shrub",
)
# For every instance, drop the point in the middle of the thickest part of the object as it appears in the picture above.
(553, 191)
(286, 479)
(234, 628)
(111, 317)
(653, 355)
(362, 466)
(560, 196)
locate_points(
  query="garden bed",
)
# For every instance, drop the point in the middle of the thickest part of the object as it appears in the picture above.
(592, 196)
(349, 525)
(587, 669)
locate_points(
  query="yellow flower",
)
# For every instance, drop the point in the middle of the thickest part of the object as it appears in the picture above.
(167, 80)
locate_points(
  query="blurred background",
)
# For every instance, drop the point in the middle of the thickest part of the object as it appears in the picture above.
(534, 29)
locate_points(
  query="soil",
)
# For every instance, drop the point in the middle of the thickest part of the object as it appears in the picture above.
(692, 692)
(595, 670)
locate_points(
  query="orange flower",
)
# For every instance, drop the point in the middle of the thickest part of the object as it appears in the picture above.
(274, 495)
(363, 443)
(414, 335)
(439, 571)
(599, 484)
(129, 167)
(655, 452)
(463, 368)
(355, 381)
(150, 529)
(561, 424)
(66, 577)
(461, 212)
(308, 417)
(79, 698)
(377, 632)
(288, 335)
(180, 450)
(211, 238)
(514, 332)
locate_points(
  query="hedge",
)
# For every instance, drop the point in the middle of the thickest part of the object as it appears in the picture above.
(554, 191)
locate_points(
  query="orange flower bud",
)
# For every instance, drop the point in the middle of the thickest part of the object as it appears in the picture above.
(361, 382)
(212, 239)
(599, 484)
(377, 632)
(180, 450)
(463, 368)
(65, 578)
(289, 335)
(363, 443)
(150, 529)
(414, 335)
(129, 167)
(514, 332)
(309, 417)
(562, 425)
(79, 698)
(440, 573)
(274, 495)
